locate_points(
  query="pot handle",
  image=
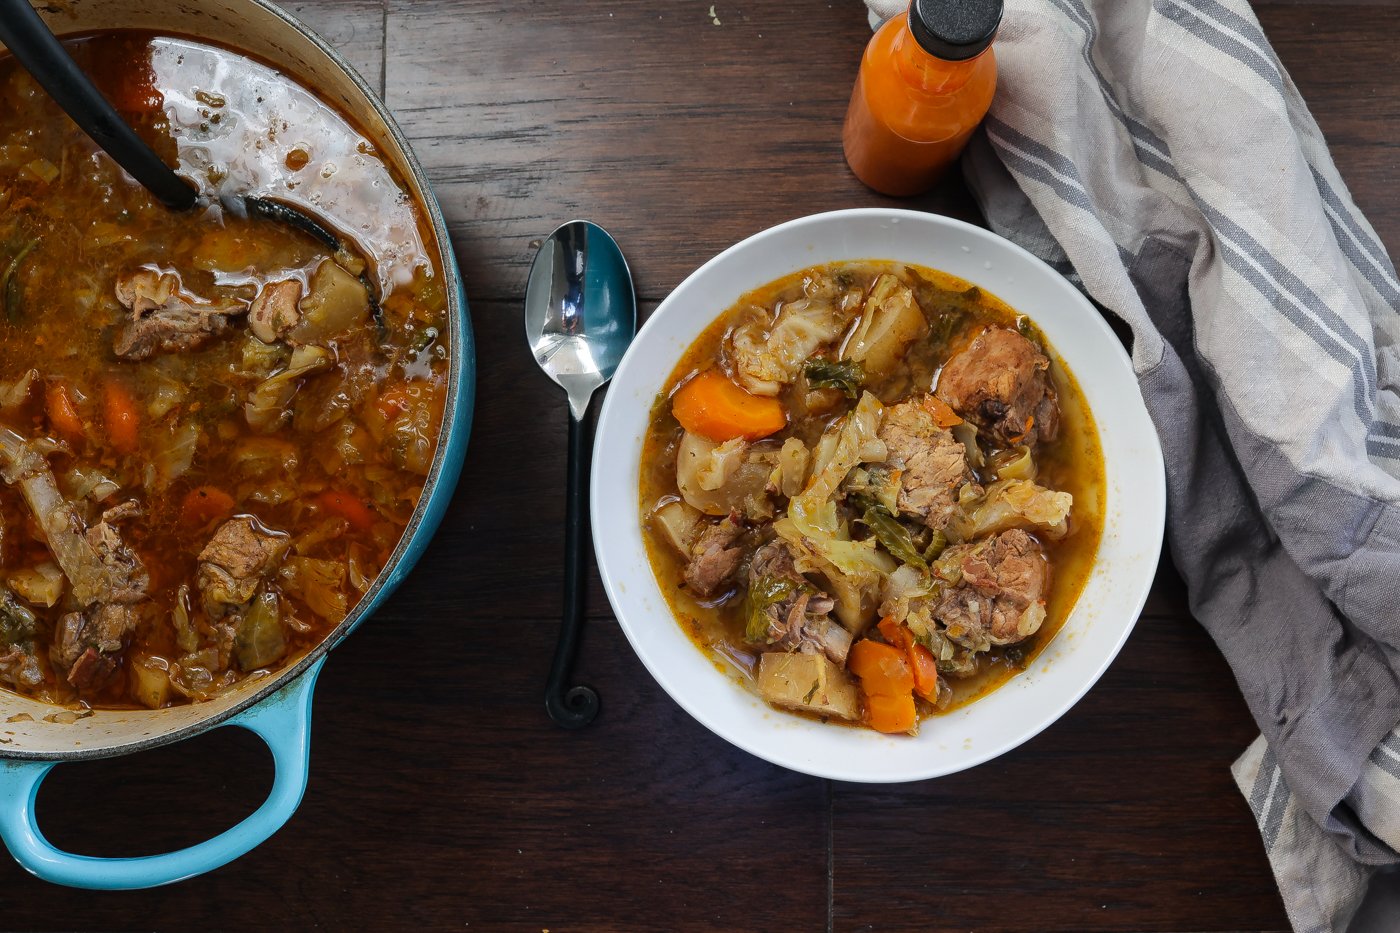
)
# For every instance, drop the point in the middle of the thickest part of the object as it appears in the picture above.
(283, 721)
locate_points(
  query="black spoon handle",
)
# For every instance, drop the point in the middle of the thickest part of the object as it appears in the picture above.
(25, 35)
(572, 707)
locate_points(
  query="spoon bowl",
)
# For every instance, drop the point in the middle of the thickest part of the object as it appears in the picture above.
(580, 317)
(580, 309)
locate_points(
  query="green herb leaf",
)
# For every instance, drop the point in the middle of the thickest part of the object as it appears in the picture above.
(847, 375)
(9, 284)
(764, 593)
(894, 536)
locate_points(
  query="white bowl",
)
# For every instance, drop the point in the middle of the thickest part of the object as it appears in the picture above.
(1134, 508)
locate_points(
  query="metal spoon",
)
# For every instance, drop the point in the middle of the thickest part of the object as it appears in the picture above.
(580, 316)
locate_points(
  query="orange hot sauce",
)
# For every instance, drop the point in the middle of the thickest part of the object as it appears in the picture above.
(925, 83)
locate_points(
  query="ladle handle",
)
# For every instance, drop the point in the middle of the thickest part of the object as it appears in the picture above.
(572, 707)
(24, 33)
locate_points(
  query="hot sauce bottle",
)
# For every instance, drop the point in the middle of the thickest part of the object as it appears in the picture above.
(925, 83)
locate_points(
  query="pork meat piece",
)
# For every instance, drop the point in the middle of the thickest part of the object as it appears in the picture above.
(90, 644)
(1001, 383)
(999, 596)
(275, 311)
(932, 462)
(126, 575)
(800, 622)
(715, 557)
(164, 319)
(19, 668)
(235, 561)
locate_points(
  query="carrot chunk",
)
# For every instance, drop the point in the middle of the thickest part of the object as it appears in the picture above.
(204, 504)
(120, 416)
(359, 515)
(921, 663)
(890, 714)
(925, 672)
(63, 412)
(888, 685)
(943, 415)
(711, 405)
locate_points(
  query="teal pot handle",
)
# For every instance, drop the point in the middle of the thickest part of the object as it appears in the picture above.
(283, 721)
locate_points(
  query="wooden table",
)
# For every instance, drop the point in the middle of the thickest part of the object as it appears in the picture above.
(441, 796)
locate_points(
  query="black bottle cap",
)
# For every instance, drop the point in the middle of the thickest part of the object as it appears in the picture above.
(954, 30)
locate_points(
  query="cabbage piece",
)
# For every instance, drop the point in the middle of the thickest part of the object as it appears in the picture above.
(1016, 463)
(173, 454)
(259, 641)
(856, 440)
(965, 433)
(167, 395)
(718, 478)
(87, 483)
(876, 484)
(186, 637)
(890, 321)
(265, 456)
(16, 393)
(765, 359)
(820, 541)
(906, 587)
(790, 475)
(318, 583)
(267, 409)
(894, 536)
(714, 471)
(1013, 503)
(150, 680)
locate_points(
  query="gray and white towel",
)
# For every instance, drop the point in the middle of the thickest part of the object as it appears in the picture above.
(1157, 153)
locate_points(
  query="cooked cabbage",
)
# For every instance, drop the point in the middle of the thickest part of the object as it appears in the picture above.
(1013, 503)
(266, 409)
(821, 542)
(718, 478)
(791, 472)
(767, 358)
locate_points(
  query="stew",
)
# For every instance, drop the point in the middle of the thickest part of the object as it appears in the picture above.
(872, 491)
(212, 436)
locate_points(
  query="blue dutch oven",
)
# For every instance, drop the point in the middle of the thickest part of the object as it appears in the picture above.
(35, 737)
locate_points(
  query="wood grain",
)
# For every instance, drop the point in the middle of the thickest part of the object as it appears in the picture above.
(440, 795)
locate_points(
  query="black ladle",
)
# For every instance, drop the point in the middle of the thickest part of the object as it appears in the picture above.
(31, 42)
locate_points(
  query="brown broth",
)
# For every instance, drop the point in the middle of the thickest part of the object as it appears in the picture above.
(1073, 463)
(361, 433)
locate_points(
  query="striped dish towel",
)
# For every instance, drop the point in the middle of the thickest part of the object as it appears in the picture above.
(1157, 153)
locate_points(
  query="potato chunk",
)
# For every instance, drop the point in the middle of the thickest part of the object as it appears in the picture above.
(810, 683)
(889, 323)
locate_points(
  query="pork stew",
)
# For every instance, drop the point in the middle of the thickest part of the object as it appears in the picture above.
(211, 435)
(872, 491)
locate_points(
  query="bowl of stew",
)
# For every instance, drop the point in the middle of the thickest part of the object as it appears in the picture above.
(224, 440)
(876, 496)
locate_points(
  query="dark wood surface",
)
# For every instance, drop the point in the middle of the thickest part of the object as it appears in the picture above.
(442, 797)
